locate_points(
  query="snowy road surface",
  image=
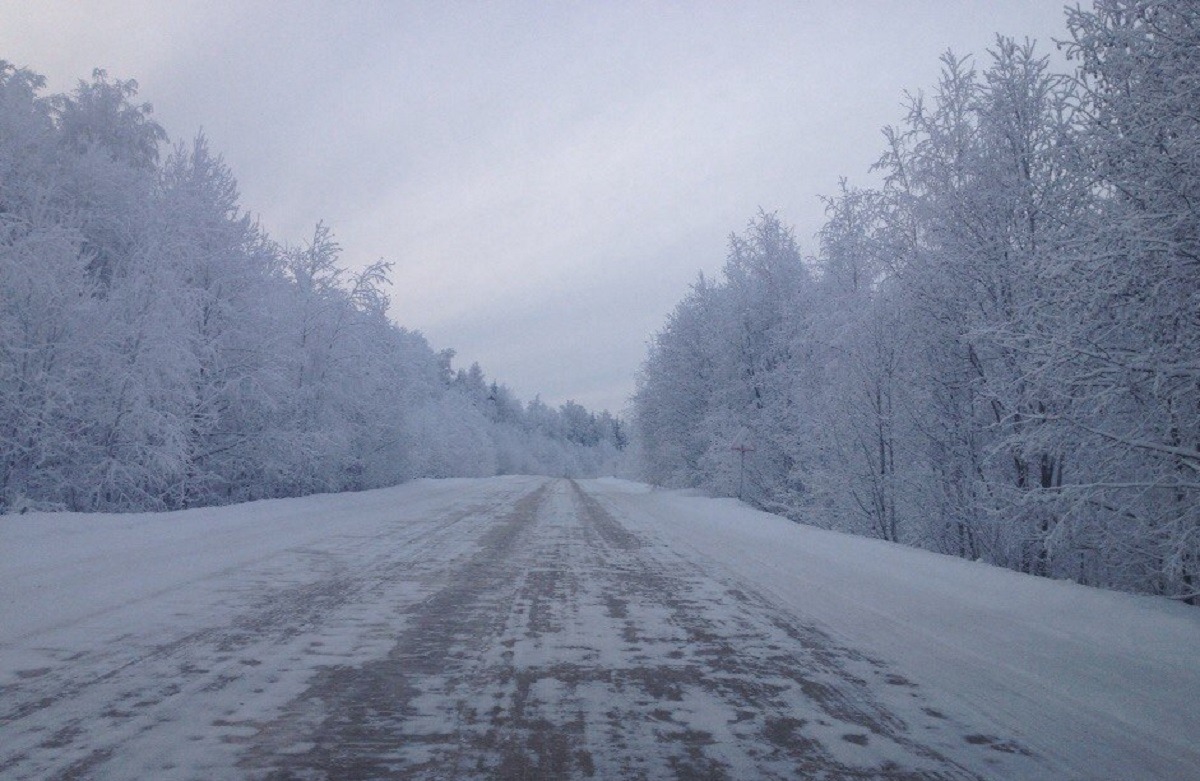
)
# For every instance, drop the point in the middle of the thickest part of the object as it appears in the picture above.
(531, 628)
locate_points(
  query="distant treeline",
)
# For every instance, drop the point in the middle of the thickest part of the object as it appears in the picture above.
(996, 354)
(158, 350)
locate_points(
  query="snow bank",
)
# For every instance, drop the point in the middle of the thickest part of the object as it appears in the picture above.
(1090, 677)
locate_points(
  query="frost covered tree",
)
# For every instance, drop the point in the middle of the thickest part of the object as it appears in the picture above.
(994, 354)
(988, 173)
(1133, 356)
(721, 374)
(674, 390)
(159, 351)
(870, 460)
(46, 301)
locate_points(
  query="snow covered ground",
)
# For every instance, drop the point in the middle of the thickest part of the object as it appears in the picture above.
(524, 627)
(1099, 685)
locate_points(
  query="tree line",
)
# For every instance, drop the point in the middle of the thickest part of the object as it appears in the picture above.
(158, 350)
(996, 352)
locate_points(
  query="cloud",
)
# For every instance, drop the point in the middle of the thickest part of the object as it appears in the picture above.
(547, 177)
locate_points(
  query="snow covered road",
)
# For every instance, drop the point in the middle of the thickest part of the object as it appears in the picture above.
(542, 629)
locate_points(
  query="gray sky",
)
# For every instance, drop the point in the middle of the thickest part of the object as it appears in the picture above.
(547, 177)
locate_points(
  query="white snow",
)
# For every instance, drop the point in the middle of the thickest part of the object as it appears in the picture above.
(60, 569)
(1098, 685)
(1104, 685)
(100, 609)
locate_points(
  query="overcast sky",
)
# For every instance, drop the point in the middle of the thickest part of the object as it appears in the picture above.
(548, 177)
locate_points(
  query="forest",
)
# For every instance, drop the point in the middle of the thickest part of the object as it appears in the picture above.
(159, 351)
(994, 353)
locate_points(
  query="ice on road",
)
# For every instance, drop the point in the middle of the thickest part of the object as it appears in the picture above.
(534, 628)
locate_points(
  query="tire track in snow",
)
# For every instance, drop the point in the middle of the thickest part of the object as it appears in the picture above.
(370, 721)
(570, 647)
(78, 717)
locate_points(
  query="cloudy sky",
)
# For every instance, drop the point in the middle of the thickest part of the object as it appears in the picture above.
(548, 177)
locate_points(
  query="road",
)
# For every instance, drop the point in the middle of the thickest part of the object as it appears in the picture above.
(517, 628)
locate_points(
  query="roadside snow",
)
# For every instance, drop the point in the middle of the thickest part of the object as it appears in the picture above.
(59, 569)
(1103, 685)
(148, 645)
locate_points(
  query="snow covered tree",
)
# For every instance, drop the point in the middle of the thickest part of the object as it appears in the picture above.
(995, 354)
(675, 390)
(721, 374)
(1133, 355)
(158, 350)
(869, 452)
(989, 175)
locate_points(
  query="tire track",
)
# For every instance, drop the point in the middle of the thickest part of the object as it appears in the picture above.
(73, 718)
(365, 721)
(530, 636)
(570, 647)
